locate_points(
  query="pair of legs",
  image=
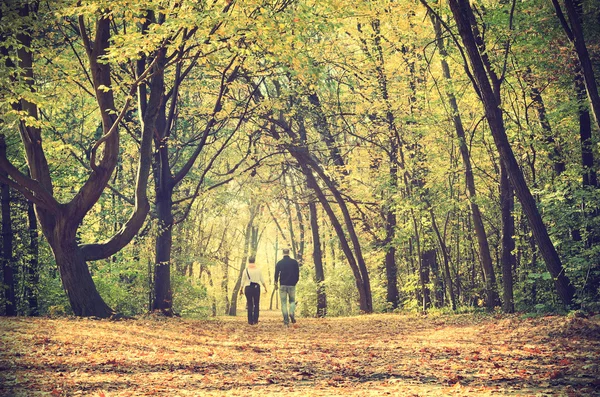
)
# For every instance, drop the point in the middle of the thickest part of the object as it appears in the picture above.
(288, 292)
(253, 300)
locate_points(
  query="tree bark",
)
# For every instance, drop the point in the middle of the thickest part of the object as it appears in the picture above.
(508, 243)
(8, 265)
(590, 177)
(301, 227)
(396, 161)
(318, 261)
(163, 295)
(426, 260)
(445, 253)
(463, 15)
(33, 269)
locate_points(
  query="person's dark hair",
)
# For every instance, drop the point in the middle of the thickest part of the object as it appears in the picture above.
(286, 251)
(252, 259)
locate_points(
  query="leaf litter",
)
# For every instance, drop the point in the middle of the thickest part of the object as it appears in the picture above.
(372, 355)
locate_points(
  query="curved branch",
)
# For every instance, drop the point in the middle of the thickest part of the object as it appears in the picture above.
(29, 187)
(142, 207)
(115, 126)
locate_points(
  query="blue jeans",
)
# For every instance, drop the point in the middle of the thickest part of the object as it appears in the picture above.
(285, 292)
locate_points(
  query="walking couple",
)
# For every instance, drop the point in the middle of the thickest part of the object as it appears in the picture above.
(287, 273)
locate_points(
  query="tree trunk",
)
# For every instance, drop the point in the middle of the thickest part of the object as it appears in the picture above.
(395, 161)
(590, 177)
(163, 295)
(33, 265)
(446, 256)
(76, 279)
(575, 34)
(59, 221)
(508, 244)
(301, 227)
(274, 292)
(254, 242)
(318, 261)
(154, 116)
(463, 14)
(225, 283)
(155, 113)
(426, 260)
(358, 256)
(391, 268)
(554, 152)
(8, 265)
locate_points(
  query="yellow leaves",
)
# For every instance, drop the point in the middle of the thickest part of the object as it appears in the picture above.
(371, 355)
(104, 88)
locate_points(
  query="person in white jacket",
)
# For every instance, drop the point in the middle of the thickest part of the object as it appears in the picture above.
(251, 280)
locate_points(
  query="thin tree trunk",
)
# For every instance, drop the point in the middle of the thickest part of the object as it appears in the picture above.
(459, 294)
(225, 282)
(396, 161)
(590, 177)
(163, 184)
(446, 256)
(163, 295)
(358, 256)
(155, 116)
(391, 267)
(33, 262)
(8, 265)
(554, 154)
(308, 164)
(508, 244)
(301, 226)
(288, 211)
(318, 261)
(427, 259)
(274, 292)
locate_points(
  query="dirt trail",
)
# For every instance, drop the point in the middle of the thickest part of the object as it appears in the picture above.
(373, 355)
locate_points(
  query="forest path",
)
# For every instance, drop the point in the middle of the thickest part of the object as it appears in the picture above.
(374, 355)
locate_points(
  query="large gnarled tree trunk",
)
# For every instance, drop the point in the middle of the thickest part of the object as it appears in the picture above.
(59, 222)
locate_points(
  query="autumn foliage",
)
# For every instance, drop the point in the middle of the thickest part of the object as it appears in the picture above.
(462, 355)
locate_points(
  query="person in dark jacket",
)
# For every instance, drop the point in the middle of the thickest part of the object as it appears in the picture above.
(287, 273)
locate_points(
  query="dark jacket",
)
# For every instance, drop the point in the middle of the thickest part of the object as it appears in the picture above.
(287, 271)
